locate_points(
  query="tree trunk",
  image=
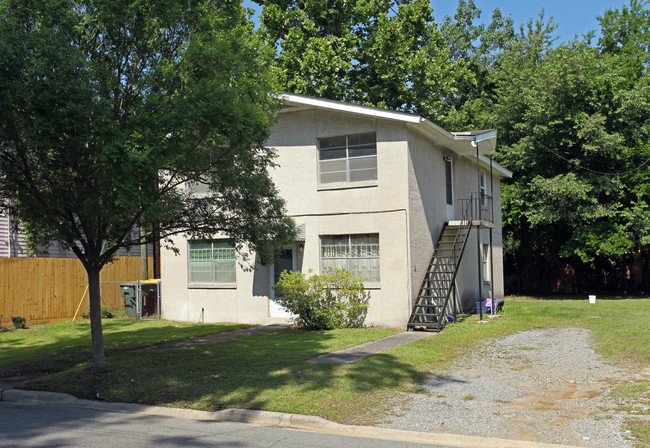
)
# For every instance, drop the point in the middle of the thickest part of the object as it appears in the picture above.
(99, 360)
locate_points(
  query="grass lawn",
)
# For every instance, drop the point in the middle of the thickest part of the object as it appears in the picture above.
(57, 347)
(268, 371)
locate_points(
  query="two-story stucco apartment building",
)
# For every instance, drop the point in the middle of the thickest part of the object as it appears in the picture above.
(371, 191)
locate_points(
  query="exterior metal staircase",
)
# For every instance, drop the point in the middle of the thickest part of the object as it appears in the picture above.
(430, 308)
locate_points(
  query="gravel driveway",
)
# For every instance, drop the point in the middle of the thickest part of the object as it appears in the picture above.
(544, 385)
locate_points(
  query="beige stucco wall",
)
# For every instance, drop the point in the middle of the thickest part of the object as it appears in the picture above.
(362, 208)
(427, 204)
(465, 184)
(405, 206)
(427, 215)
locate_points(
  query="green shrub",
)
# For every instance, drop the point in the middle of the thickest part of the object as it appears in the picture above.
(106, 313)
(334, 299)
(19, 322)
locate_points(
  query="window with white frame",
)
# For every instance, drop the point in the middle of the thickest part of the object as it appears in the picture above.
(355, 253)
(348, 158)
(485, 258)
(212, 262)
(483, 178)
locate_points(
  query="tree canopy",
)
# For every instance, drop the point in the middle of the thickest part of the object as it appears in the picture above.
(109, 109)
(378, 52)
(573, 122)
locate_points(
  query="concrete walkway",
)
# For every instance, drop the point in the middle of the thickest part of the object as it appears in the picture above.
(358, 352)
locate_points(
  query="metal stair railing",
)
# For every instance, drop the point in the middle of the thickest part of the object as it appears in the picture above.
(437, 285)
(477, 207)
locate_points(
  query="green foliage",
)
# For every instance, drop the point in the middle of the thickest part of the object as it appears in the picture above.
(110, 106)
(574, 126)
(19, 322)
(381, 53)
(110, 109)
(106, 313)
(334, 299)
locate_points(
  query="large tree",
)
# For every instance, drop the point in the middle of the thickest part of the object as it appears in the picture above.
(109, 109)
(573, 122)
(378, 52)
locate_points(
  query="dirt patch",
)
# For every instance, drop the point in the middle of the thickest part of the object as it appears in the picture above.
(539, 385)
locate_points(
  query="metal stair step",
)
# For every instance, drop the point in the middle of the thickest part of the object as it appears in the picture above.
(425, 317)
(422, 324)
(437, 283)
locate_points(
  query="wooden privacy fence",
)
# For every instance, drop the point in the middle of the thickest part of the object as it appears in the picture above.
(50, 289)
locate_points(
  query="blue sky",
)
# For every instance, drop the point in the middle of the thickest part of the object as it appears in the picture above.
(573, 16)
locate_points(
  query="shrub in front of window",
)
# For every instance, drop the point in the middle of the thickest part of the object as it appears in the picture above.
(334, 299)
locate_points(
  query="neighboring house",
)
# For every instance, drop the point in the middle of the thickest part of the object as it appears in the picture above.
(371, 190)
(13, 243)
(12, 240)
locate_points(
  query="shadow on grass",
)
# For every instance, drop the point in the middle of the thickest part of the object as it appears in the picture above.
(55, 347)
(257, 372)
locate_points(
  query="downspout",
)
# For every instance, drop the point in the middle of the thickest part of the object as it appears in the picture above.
(478, 233)
(494, 305)
(409, 274)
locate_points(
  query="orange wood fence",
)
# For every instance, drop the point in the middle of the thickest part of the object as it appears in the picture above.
(50, 289)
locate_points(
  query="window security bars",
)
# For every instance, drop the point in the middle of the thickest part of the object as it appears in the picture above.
(212, 262)
(356, 253)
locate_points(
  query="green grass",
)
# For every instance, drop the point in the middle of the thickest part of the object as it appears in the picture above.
(640, 429)
(55, 347)
(268, 371)
(634, 398)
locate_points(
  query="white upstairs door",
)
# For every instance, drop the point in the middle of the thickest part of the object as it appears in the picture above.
(285, 262)
(449, 188)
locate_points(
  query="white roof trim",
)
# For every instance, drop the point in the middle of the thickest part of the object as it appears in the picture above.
(301, 100)
(498, 168)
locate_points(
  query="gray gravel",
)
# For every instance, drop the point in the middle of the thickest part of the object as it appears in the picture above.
(543, 385)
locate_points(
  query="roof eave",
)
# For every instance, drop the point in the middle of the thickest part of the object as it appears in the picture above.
(500, 170)
(302, 101)
(462, 143)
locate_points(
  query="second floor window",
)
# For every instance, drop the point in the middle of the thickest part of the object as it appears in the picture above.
(348, 158)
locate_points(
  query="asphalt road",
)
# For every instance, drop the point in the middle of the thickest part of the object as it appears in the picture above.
(53, 426)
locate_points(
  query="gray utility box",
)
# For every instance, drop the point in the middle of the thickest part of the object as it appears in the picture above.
(141, 299)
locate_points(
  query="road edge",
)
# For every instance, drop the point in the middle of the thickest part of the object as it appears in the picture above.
(270, 419)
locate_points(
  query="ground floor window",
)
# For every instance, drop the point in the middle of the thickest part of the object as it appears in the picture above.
(212, 261)
(356, 253)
